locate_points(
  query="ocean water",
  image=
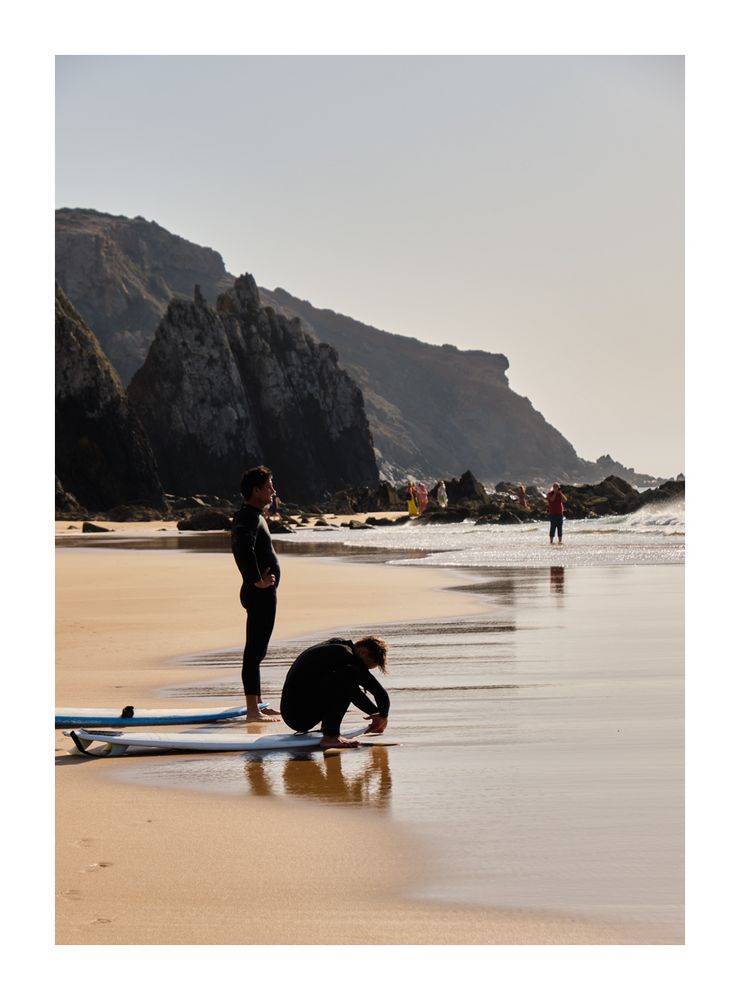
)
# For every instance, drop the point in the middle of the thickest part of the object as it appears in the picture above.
(653, 534)
(540, 763)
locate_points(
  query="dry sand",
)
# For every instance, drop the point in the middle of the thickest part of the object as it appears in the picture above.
(138, 865)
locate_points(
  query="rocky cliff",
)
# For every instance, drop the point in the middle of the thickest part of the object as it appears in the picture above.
(432, 410)
(436, 410)
(122, 273)
(228, 387)
(103, 456)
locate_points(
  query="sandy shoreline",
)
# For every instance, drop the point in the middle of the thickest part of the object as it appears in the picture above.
(138, 865)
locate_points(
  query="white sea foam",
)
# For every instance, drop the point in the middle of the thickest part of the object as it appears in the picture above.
(653, 534)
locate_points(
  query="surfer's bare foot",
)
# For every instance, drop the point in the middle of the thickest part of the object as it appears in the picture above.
(260, 713)
(337, 743)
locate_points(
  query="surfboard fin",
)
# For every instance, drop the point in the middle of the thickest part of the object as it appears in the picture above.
(81, 745)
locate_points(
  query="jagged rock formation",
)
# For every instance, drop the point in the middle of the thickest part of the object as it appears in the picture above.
(606, 466)
(66, 505)
(432, 410)
(103, 456)
(122, 273)
(228, 387)
(469, 498)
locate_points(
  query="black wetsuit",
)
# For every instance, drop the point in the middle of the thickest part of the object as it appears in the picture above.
(323, 682)
(252, 547)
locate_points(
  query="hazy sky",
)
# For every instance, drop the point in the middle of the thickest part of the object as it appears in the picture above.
(527, 205)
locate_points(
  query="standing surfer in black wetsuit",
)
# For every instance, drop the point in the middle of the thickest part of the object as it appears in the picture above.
(258, 564)
(326, 679)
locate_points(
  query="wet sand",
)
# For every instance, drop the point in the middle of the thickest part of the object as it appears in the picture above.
(158, 865)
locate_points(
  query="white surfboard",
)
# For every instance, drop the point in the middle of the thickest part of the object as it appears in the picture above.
(114, 744)
(132, 716)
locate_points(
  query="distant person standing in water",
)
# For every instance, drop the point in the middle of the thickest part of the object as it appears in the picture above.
(555, 510)
(442, 494)
(258, 564)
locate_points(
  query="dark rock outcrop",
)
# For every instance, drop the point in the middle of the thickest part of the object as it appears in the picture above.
(103, 456)
(611, 496)
(276, 527)
(228, 387)
(122, 274)
(669, 490)
(466, 489)
(205, 520)
(384, 496)
(67, 507)
(431, 409)
(606, 466)
(447, 515)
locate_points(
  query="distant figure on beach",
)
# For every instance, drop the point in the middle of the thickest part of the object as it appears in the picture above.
(329, 677)
(258, 564)
(411, 499)
(522, 494)
(555, 510)
(422, 497)
(442, 494)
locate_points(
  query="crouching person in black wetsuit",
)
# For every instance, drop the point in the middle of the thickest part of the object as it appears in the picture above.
(329, 677)
(258, 564)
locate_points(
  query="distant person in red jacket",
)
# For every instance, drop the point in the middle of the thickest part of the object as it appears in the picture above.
(555, 510)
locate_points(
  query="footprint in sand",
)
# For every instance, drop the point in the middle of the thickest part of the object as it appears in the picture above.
(102, 920)
(96, 865)
(72, 895)
(84, 842)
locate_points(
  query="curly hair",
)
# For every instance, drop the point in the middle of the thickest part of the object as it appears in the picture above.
(377, 648)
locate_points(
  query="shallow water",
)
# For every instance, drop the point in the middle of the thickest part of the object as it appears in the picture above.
(653, 534)
(541, 756)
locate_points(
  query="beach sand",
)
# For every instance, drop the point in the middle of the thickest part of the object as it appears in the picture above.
(143, 865)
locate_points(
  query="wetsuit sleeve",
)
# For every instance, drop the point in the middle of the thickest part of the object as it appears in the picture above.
(379, 693)
(243, 543)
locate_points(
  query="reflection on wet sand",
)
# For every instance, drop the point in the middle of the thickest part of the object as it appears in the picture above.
(210, 541)
(335, 778)
(220, 541)
(557, 579)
